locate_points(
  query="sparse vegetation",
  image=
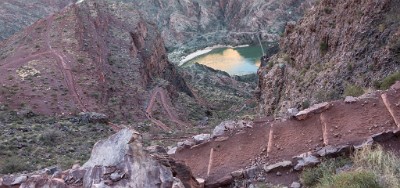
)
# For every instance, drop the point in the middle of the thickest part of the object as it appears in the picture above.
(13, 164)
(385, 165)
(323, 47)
(388, 81)
(305, 104)
(81, 60)
(311, 176)
(328, 10)
(353, 90)
(356, 179)
(49, 138)
(34, 142)
(368, 168)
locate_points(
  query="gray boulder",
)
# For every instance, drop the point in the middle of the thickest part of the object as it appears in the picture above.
(220, 129)
(350, 99)
(14, 180)
(201, 138)
(172, 151)
(292, 112)
(92, 117)
(295, 185)
(280, 165)
(315, 109)
(306, 161)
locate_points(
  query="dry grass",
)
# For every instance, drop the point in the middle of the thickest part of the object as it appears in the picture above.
(370, 168)
(385, 165)
(354, 179)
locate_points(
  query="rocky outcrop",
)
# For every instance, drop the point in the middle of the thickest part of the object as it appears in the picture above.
(119, 161)
(337, 45)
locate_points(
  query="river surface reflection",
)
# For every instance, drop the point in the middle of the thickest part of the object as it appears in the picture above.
(235, 61)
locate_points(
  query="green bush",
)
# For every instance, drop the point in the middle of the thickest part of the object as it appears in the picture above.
(305, 104)
(13, 165)
(353, 90)
(389, 81)
(323, 47)
(312, 176)
(328, 10)
(357, 179)
(49, 138)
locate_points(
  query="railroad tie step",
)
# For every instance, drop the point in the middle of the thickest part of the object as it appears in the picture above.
(270, 140)
(324, 129)
(390, 108)
(210, 161)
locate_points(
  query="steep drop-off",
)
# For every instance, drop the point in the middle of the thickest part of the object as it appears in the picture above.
(337, 45)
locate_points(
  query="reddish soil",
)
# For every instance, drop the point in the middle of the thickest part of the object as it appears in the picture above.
(292, 137)
(351, 123)
(228, 156)
(168, 109)
(46, 55)
(341, 124)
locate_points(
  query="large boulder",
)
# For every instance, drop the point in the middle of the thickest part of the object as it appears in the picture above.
(230, 125)
(119, 161)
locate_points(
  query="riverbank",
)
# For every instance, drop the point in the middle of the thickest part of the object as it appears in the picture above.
(205, 51)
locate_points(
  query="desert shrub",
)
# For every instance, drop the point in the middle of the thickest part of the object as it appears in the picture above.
(328, 10)
(353, 90)
(49, 138)
(323, 47)
(356, 179)
(371, 168)
(389, 81)
(305, 104)
(312, 176)
(383, 164)
(13, 165)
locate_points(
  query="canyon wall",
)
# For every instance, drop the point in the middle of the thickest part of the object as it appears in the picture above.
(337, 46)
(189, 25)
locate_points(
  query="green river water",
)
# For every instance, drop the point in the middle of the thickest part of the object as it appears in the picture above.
(235, 61)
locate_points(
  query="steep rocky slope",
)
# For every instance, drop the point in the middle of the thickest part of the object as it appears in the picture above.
(18, 14)
(93, 56)
(190, 25)
(337, 46)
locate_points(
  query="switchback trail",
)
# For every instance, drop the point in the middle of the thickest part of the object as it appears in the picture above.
(171, 114)
(65, 69)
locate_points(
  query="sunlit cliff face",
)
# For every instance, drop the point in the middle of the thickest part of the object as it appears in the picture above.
(230, 61)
